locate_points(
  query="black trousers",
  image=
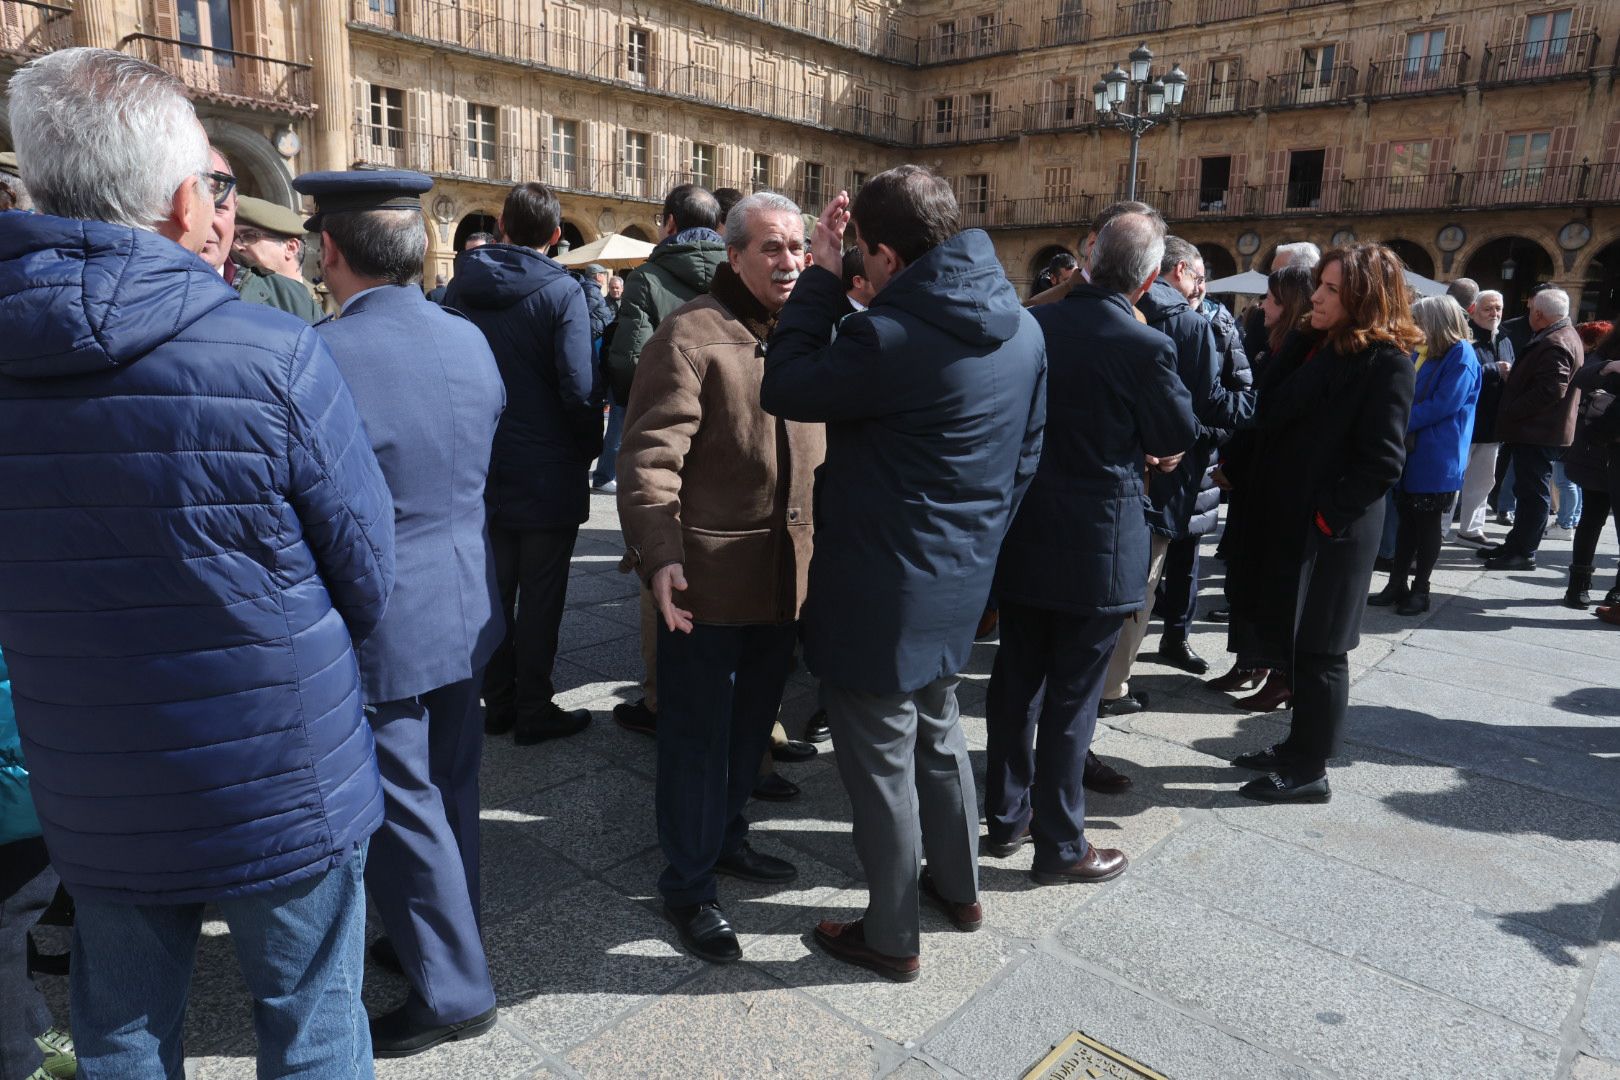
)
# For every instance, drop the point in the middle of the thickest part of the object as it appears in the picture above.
(1532, 486)
(719, 690)
(1321, 683)
(1417, 545)
(27, 884)
(532, 569)
(1042, 713)
(1178, 588)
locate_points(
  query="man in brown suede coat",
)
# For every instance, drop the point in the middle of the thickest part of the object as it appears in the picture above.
(715, 503)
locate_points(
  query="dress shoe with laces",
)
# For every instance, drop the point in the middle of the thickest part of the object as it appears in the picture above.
(846, 941)
(966, 917)
(1000, 849)
(1099, 864)
(1103, 778)
(1390, 595)
(751, 865)
(635, 716)
(1511, 560)
(705, 931)
(775, 788)
(552, 723)
(1272, 757)
(1179, 654)
(1286, 787)
(396, 1034)
(816, 729)
(1123, 706)
(793, 751)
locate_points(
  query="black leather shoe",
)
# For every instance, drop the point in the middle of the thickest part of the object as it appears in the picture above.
(1123, 706)
(499, 721)
(776, 788)
(1272, 757)
(1179, 654)
(1416, 603)
(385, 956)
(635, 716)
(1511, 561)
(394, 1034)
(1103, 778)
(794, 750)
(1282, 787)
(751, 865)
(1391, 594)
(554, 723)
(818, 730)
(1220, 614)
(705, 931)
(1000, 849)
(1489, 551)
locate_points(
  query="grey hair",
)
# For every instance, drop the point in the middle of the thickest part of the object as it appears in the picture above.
(759, 202)
(1553, 303)
(1442, 321)
(102, 136)
(1304, 254)
(388, 245)
(1127, 252)
(1483, 293)
(1177, 250)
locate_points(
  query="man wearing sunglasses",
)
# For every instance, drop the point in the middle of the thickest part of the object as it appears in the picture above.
(252, 283)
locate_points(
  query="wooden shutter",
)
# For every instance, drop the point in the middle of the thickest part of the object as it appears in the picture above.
(362, 113)
(542, 164)
(419, 140)
(1378, 160)
(1332, 174)
(1491, 148)
(510, 144)
(1561, 147)
(658, 167)
(1276, 180)
(166, 24)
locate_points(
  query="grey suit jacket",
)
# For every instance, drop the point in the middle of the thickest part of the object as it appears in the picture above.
(430, 394)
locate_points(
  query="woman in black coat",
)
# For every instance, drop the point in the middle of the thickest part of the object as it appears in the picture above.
(1330, 443)
(1593, 464)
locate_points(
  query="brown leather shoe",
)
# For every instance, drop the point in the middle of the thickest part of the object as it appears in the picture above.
(965, 917)
(846, 941)
(1100, 864)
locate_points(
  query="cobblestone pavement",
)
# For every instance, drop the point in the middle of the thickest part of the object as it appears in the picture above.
(1453, 913)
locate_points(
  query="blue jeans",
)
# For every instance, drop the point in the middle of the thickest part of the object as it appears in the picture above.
(1569, 498)
(302, 954)
(604, 470)
(1507, 499)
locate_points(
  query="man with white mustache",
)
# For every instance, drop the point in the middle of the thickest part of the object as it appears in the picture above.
(714, 500)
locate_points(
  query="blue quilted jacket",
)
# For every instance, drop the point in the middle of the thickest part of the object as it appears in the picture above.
(193, 531)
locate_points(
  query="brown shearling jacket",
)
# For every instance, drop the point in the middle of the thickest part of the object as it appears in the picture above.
(707, 478)
(1538, 403)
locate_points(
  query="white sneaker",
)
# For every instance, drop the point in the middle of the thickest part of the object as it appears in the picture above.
(1558, 532)
(608, 488)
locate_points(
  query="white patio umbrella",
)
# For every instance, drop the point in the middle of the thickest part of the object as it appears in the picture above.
(1248, 283)
(614, 251)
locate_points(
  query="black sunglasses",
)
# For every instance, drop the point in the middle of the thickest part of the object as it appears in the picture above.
(220, 186)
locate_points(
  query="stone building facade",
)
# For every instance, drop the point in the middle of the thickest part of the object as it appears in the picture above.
(1478, 138)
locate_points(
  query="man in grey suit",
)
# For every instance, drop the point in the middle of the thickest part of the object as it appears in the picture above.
(429, 391)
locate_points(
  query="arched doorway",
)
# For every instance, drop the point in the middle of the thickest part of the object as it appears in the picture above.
(571, 235)
(635, 232)
(472, 223)
(260, 171)
(1601, 297)
(1039, 265)
(1415, 256)
(1511, 265)
(1218, 262)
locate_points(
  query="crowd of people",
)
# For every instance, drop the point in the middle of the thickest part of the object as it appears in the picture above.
(270, 576)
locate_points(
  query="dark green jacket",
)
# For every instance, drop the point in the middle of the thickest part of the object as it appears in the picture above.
(675, 274)
(258, 286)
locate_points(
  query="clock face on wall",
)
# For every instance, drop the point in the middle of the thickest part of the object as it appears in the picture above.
(287, 143)
(1573, 237)
(1451, 238)
(1248, 243)
(1343, 237)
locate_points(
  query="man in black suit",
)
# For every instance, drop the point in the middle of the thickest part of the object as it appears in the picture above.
(1074, 564)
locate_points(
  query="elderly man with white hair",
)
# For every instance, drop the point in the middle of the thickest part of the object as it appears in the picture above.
(1303, 254)
(1536, 421)
(1495, 354)
(715, 502)
(197, 533)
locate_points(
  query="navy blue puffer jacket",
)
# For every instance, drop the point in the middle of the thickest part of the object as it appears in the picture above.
(193, 530)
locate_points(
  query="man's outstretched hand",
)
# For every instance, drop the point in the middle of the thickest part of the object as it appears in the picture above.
(668, 581)
(827, 242)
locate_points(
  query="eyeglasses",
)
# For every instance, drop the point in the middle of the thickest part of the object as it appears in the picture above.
(220, 186)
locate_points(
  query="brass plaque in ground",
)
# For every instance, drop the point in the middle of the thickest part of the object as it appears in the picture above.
(1080, 1057)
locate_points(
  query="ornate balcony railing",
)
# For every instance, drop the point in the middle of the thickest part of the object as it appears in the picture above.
(1070, 28)
(1197, 203)
(1141, 17)
(228, 76)
(970, 125)
(1216, 99)
(1058, 115)
(1300, 89)
(29, 28)
(1404, 76)
(1571, 56)
(970, 44)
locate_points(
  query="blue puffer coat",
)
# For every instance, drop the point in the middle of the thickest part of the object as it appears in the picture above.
(18, 821)
(1442, 422)
(193, 529)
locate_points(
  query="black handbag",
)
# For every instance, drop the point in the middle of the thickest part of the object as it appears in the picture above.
(1599, 422)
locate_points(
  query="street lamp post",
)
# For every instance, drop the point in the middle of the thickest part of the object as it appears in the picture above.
(1163, 97)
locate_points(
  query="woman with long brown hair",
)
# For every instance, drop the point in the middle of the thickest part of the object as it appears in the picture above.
(1287, 302)
(1329, 444)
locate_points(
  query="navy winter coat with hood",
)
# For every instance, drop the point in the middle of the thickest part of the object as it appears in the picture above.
(934, 399)
(193, 532)
(534, 314)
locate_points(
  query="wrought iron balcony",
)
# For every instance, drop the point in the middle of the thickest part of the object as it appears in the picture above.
(969, 125)
(230, 77)
(1216, 99)
(1570, 57)
(1047, 211)
(970, 44)
(1070, 28)
(1204, 203)
(1221, 10)
(1301, 89)
(1058, 115)
(1407, 76)
(1141, 17)
(29, 28)
(1390, 194)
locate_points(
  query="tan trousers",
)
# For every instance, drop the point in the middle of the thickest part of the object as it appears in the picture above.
(1117, 684)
